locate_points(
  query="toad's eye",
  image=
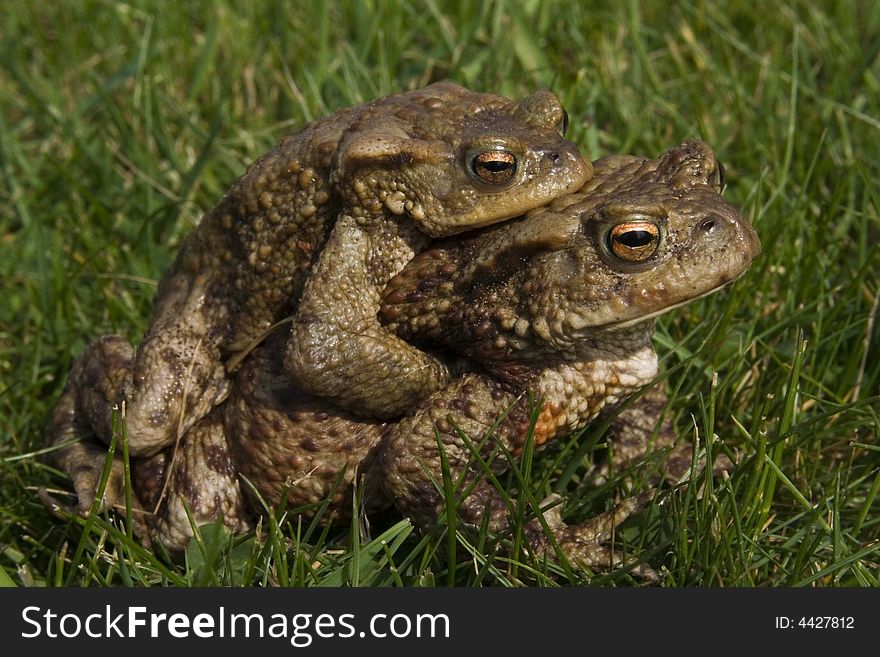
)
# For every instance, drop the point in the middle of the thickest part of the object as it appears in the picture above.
(495, 167)
(564, 127)
(635, 241)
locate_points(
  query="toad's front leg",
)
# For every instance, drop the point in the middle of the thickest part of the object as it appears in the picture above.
(412, 469)
(643, 431)
(338, 349)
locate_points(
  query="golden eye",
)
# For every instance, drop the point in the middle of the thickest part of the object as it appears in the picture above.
(494, 167)
(634, 241)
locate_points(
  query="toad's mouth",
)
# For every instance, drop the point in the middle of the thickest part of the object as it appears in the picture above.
(615, 326)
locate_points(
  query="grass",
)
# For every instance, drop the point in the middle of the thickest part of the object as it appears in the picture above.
(120, 123)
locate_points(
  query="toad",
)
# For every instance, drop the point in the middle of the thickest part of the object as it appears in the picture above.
(554, 313)
(345, 202)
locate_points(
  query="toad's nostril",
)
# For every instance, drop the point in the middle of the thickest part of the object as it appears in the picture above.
(553, 156)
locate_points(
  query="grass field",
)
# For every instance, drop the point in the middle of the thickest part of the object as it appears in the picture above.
(120, 123)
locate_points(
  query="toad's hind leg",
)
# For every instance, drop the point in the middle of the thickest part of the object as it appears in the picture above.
(195, 475)
(191, 483)
(175, 378)
(164, 388)
(96, 377)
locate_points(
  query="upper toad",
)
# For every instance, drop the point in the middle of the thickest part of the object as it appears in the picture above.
(350, 198)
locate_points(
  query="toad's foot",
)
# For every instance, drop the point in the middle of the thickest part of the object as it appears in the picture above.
(584, 544)
(161, 398)
(77, 452)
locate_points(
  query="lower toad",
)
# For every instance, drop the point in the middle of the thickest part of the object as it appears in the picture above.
(554, 314)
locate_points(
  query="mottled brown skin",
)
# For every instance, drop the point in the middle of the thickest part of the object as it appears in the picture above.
(350, 198)
(338, 349)
(204, 482)
(294, 447)
(553, 310)
(548, 315)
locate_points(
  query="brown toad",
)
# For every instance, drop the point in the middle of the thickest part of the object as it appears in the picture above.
(555, 313)
(346, 202)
